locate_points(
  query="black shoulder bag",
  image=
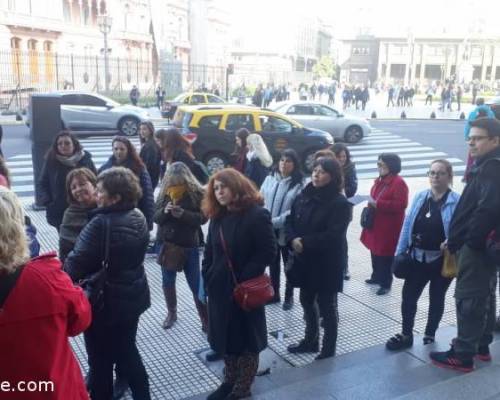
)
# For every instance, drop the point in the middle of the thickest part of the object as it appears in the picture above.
(95, 285)
(368, 213)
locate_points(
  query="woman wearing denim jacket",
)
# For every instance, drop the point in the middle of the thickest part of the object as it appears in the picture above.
(425, 231)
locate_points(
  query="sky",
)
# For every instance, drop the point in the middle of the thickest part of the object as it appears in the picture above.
(381, 17)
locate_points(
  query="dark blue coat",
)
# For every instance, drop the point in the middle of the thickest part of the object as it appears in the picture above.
(146, 202)
(255, 171)
(127, 291)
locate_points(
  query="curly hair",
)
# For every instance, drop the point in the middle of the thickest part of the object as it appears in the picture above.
(123, 182)
(135, 162)
(244, 191)
(81, 173)
(14, 250)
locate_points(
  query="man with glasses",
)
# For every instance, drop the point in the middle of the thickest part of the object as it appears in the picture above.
(476, 216)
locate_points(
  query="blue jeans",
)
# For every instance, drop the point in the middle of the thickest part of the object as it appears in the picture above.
(191, 269)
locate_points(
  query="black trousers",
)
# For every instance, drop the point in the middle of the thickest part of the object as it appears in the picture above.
(275, 273)
(328, 309)
(413, 287)
(108, 345)
(382, 272)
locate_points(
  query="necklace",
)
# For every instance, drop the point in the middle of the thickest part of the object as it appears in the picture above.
(428, 214)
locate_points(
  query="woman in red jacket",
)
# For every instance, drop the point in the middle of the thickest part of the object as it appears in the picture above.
(40, 309)
(389, 198)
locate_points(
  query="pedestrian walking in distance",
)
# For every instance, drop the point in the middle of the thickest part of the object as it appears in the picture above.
(423, 235)
(240, 234)
(314, 231)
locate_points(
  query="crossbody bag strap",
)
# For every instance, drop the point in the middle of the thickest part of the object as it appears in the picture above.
(107, 244)
(8, 283)
(226, 253)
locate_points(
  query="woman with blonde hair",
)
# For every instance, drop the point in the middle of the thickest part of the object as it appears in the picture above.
(259, 160)
(179, 218)
(57, 309)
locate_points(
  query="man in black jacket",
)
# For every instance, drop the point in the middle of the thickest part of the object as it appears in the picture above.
(476, 216)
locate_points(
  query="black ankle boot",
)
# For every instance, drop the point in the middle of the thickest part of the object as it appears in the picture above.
(221, 392)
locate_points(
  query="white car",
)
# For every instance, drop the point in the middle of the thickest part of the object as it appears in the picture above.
(347, 128)
(91, 112)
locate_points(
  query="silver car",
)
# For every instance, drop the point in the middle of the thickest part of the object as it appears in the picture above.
(320, 116)
(93, 113)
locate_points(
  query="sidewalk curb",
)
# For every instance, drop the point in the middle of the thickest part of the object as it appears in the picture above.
(414, 119)
(11, 123)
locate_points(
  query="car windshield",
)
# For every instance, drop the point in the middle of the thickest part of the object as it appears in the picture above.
(180, 98)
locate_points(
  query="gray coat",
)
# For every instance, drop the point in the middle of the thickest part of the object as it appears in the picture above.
(278, 199)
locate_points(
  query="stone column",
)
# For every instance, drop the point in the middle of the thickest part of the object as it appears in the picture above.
(422, 63)
(484, 64)
(387, 64)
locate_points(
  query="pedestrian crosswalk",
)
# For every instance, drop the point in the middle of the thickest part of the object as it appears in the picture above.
(415, 158)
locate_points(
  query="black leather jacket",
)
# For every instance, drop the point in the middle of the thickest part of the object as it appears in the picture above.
(478, 211)
(127, 291)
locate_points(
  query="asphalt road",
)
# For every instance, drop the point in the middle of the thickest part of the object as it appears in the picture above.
(443, 135)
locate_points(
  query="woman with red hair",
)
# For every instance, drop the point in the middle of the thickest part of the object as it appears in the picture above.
(240, 231)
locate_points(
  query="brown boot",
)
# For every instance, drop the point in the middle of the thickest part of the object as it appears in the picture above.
(248, 363)
(171, 300)
(203, 314)
(230, 375)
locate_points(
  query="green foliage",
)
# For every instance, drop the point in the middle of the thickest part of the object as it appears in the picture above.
(324, 68)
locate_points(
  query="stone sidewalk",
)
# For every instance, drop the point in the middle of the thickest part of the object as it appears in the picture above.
(175, 359)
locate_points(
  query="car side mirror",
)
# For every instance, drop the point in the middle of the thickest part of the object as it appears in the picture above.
(109, 106)
(340, 115)
(296, 130)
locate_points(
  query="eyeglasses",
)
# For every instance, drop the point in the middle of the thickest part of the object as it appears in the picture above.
(439, 174)
(477, 138)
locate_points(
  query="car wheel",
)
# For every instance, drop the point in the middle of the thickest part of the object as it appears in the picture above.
(308, 160)
(128, 126)
(353, 134)
(215, 162)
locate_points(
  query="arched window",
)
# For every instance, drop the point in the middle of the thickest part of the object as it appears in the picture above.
(48, 50)
(15, 45)
(33, 60)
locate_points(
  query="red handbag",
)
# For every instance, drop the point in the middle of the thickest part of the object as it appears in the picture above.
(252, 293)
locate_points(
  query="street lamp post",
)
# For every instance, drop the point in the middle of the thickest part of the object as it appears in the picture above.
(104, 23)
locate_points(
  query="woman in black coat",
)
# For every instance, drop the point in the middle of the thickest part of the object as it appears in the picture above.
(150, 152)
(235, 210)
(65, 154)
(315, 230)
(111, 339)
(125, 155)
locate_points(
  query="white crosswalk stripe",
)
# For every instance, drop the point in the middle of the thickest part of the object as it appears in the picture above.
(415, 158)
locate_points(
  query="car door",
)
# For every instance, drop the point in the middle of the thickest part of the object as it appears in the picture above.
(70, 111)
(327, 120)
(278, 134)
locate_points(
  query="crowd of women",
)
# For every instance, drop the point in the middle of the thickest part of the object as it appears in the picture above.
(259, 217)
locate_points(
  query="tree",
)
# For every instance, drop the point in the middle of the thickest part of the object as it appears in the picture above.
(324, 68)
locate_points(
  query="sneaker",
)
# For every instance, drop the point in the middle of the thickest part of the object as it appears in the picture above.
(449, 359)
(483, 353)
(399, 342)
(221, 392)
(382, 291)
(428, 339)
(303, 347)
(371, 281)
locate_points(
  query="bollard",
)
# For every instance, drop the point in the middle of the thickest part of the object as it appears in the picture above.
(374, 115)
(403, 115)
(433, 115)
(462, 115)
